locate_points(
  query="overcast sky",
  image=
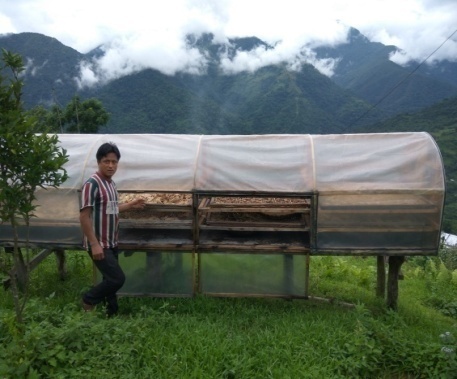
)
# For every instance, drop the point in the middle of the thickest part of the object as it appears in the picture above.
(141, 33)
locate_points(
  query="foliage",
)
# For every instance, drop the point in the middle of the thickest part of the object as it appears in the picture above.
(448, 256)
(77, 117)
(439, 276)
(449, 348)
(206, 337)
(85, 116)
(27, 160)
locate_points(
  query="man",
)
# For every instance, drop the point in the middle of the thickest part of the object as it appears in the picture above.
(99, 218)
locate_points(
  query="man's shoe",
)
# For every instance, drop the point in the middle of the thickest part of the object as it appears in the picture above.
(87, 307)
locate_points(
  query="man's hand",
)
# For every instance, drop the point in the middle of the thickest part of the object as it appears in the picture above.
(97, 252)
(137, 203)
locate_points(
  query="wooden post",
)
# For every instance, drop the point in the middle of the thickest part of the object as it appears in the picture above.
(288, 280)
(307, 262)
(61, 263)
(395, 263)
(196, 266)
(381, 277)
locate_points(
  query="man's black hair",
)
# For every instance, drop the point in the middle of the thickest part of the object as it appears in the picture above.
(105, 149)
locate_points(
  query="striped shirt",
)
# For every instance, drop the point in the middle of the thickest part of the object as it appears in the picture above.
(101, 195)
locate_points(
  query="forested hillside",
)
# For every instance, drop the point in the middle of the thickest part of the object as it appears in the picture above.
(269, 100)
(51, 67)
(273, 99)
(364, 68)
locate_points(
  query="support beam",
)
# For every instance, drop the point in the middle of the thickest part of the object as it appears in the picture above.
(61, 263)
(381, 277)
(395, 263)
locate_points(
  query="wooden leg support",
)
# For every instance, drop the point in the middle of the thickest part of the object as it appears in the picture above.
(288, 280)
(381, 277)
(395, 263)
(61, 263)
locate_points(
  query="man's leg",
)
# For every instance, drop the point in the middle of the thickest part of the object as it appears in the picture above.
(111, 305)
(113, 280)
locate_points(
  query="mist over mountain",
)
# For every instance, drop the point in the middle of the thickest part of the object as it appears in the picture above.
(364, 68)
(329, 89)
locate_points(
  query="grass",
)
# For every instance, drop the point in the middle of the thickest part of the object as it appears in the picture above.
(210, 337)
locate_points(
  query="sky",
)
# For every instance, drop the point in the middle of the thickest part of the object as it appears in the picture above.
(139, 34)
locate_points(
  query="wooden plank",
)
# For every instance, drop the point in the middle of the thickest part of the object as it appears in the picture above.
(365, 201)
(266, 210)
(379, 210)
(153, 224)
(154, 294)
(37, 259)
(153, 246)
(253, 228)
(393, 251)
(168, 208)
(254, 295)
(252, 249)
(365, 191)
(377, 229)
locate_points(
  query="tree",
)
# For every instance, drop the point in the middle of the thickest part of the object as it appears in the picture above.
(86, 116)
(77, 117)
(27, 161)
(50, 121)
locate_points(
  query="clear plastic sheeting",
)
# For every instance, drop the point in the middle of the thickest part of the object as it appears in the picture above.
(269, 163)
(263, 163)
(274, 275)
(152, 273)
(367, 191)
(357, 163)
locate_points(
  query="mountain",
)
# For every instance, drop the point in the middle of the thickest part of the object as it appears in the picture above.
(270, 100)
(445, 71)
(51, 67)
(364, 68)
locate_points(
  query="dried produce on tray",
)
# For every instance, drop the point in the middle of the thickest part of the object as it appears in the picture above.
(252, 217)
(158, 198)
(152, 210)
(258, 200)
(264, 209)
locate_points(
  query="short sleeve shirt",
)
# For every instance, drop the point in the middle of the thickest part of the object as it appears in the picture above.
(101, 195)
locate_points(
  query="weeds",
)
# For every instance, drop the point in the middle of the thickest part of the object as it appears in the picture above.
(440, 280)
(205, 337)
(449, 350)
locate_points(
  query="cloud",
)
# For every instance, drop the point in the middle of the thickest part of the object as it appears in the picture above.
(262, 56)
(418, 28)
(130, 54)
(139, 34)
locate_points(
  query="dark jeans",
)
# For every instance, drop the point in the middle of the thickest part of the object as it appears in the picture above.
(113, 279)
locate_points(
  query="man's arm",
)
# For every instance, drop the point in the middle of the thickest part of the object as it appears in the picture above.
(134, 204)
(85, 219)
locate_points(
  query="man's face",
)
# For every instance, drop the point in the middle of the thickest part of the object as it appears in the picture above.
(108, 165)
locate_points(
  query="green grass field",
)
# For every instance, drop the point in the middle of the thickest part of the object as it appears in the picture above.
(214, 337)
